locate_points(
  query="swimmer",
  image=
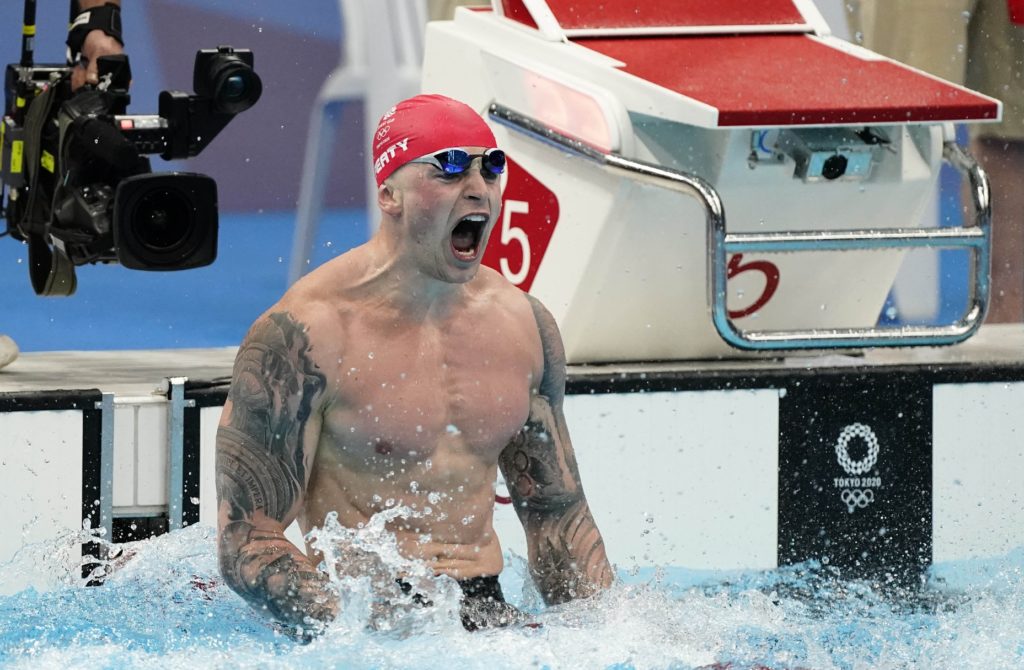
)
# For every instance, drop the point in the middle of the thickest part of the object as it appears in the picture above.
(403, 373)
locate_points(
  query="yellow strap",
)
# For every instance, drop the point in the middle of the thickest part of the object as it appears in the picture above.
(28, 30)
(16, 152)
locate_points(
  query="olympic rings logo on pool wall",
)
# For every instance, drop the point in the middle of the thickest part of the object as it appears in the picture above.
(855, 498)
(843, 453)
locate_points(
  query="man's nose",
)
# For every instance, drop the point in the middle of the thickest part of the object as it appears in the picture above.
(475, 184)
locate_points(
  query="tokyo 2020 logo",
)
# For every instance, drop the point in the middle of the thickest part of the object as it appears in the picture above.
(857, 491)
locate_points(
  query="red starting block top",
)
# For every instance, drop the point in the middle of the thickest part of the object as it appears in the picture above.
(625, 14)
(790, 79)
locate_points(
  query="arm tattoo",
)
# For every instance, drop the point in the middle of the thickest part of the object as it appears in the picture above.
(261, 467)
(567, 555)
(261, 459)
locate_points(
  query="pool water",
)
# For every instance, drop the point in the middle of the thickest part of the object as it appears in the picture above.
(166, 607)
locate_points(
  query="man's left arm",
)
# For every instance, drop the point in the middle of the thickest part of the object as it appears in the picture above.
(566, 552)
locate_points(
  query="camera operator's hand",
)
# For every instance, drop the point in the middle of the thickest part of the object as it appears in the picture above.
(95, 31)
(97, 43)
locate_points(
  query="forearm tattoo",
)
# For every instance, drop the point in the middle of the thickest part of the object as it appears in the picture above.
(261, 466)
(567, 554)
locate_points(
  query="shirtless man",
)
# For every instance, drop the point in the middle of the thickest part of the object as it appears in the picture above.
(400, 370)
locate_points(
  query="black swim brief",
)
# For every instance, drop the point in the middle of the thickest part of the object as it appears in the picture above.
(483, 604)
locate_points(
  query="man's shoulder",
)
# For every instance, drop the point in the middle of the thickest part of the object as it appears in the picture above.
(493, 285)
(304, 315)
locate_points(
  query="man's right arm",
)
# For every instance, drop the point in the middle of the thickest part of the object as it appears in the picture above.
(265, 446)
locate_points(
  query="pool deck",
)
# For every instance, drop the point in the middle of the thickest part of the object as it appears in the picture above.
(143, 372)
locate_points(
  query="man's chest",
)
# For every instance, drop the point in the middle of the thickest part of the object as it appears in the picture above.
(409, 394)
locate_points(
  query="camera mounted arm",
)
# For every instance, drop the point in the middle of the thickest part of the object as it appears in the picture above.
(225, 85)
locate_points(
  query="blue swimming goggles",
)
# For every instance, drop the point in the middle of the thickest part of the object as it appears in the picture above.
(457, 161)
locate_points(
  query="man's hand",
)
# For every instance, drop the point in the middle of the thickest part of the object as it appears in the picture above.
(269, 571)
(97, 43)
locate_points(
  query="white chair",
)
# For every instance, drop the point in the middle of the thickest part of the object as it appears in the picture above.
(379, 76)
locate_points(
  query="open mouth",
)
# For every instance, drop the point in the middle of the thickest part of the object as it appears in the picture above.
(466, 236)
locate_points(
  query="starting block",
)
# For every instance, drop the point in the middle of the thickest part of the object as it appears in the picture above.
(692, 180)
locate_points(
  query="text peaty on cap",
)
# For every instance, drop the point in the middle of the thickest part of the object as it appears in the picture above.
(422, 125)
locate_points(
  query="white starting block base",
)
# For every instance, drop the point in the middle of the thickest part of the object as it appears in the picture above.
(707, 465)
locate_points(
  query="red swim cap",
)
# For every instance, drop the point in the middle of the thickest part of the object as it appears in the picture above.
(425, 125)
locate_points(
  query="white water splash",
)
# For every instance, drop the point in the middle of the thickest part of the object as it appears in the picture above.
(167, 607)
(366, 567)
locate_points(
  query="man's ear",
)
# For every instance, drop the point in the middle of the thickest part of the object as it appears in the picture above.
(389, 199)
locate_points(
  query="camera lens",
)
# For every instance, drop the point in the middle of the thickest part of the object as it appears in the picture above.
(165, 221)
(162, 220)
(234, 88)
(228, 81)
(834, 167)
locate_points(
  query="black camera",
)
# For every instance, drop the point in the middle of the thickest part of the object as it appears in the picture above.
(75, 173)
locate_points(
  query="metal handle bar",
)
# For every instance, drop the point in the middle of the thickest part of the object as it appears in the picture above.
(976, 238)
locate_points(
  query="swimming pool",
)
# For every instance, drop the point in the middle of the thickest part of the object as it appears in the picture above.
(166, 607)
